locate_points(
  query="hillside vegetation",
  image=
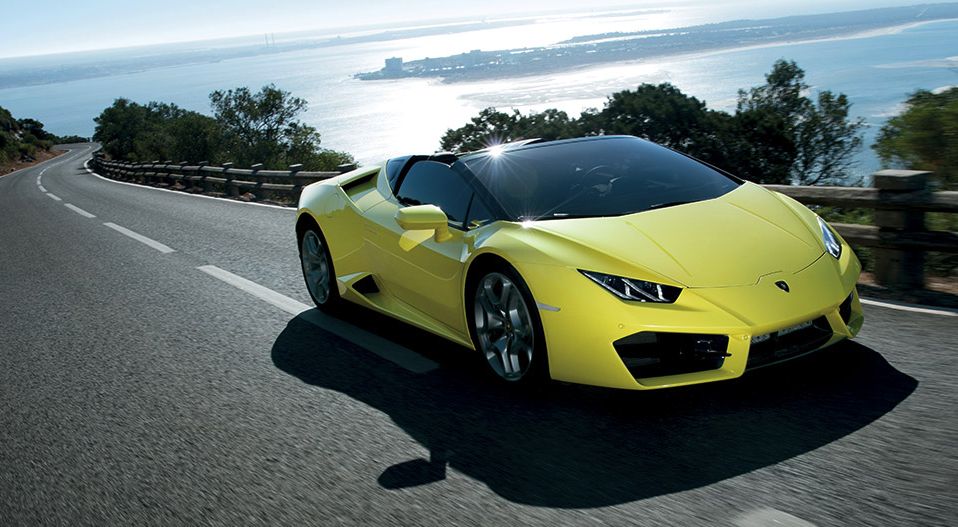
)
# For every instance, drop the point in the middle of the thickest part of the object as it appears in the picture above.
(20, 139)
(246, 128)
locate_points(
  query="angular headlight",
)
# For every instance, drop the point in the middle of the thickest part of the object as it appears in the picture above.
(636, 290)
(832, 245)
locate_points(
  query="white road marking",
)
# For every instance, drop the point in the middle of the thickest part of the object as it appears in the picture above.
(41, 188)
(38, 179)
(767, 517)
(79, 211)
(390, 351)
(943, 311)
(54, 197)
(287, 304)
(140, 238)
(61, 160)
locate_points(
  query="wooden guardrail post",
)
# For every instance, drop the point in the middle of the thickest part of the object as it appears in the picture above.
(227, 176)
(900, 267)
(181, 171)
(234, 191)
(199, 172)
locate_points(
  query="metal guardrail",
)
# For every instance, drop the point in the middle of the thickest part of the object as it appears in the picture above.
(898, 237)
(900, 198)
(282, 185)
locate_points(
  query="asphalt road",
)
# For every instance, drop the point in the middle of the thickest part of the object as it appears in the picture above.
(161, 367)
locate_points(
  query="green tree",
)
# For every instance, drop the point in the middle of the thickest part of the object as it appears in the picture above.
(758, 146)
(262, 128)
(259, 127)
(196, 137)
(924, 136)
(827, 141)
(811, 142)
(660, 113)
(492, 127)
(156, 131)
(304, 149)
(118, 127)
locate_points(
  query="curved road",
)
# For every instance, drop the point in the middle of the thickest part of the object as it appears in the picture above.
(161, 366)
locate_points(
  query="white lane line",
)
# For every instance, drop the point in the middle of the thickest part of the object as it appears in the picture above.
(287, 304)
(54, 198)
(390, 351)
(42, 189)
(78, 210)
(767, 516)
(59, 161)
(140, 238)
(944, 311)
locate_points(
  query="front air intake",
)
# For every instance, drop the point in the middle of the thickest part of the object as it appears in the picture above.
(650, 354)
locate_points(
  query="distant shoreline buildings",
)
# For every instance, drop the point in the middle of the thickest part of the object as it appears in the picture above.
(615, 47)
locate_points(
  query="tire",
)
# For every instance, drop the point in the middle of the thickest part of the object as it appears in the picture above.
(317, 267)
(505, 327)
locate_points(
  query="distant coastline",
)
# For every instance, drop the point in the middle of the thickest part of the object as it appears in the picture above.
(149, 58)
(893, 30)
(592, 50)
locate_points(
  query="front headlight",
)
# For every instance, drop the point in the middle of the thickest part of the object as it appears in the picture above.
(832, 245)
(636, 290)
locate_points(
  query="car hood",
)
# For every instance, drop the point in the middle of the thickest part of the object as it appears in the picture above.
(729, 241)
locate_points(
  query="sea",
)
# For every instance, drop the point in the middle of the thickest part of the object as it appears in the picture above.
(374, 120)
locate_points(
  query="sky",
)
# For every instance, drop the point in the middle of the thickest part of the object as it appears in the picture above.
(69, 26)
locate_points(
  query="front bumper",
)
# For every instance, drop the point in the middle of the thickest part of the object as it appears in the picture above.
(708, 334)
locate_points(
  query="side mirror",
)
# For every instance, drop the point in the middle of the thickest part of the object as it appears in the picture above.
(424, 217)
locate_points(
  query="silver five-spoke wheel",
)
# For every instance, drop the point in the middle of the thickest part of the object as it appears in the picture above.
(316, 268)
(504, 327)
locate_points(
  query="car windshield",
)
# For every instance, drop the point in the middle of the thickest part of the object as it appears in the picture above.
(604, 176)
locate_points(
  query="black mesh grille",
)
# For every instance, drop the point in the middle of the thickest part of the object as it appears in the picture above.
(788, 343)
(650, 354)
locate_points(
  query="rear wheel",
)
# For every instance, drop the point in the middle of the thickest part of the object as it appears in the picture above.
(506, 329)
(318, 268)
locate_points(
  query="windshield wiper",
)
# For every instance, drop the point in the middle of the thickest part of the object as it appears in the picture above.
(670, 204)
(557, 216)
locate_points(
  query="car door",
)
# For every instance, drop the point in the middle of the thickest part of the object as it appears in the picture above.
(425, 274)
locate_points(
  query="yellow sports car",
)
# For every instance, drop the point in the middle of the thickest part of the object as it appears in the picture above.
(609, 261)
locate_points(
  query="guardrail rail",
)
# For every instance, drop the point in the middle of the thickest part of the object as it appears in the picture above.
(283, 185)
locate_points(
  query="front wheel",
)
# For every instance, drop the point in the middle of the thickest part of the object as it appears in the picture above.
(318, 268)
(506, 328)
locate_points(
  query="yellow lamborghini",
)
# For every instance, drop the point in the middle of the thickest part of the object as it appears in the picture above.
(609, 261)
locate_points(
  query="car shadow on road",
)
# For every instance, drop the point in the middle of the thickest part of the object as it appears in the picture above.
(578, 446)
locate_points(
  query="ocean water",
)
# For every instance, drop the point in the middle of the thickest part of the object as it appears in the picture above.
(374, 120)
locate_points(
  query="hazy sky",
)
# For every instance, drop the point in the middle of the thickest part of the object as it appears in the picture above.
(64, 26)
